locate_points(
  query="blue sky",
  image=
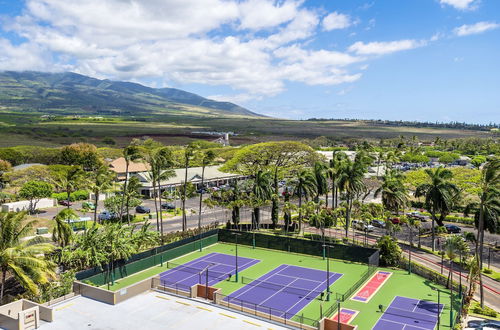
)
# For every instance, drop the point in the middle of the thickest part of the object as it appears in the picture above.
(426, 60)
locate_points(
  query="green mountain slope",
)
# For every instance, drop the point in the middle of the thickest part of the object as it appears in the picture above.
(71, 93)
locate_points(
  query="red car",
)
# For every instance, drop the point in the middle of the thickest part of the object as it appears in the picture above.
(395, 220)
(65, 202)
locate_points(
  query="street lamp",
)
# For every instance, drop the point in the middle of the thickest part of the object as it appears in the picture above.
(327, 271)
(439, 303)
(236, 253)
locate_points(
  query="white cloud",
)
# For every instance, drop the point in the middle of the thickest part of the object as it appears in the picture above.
(477, 28)
(460, 4)
(257, 14)
(382, 48)
(336, 21)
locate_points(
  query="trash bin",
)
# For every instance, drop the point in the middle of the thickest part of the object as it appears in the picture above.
(42, 230)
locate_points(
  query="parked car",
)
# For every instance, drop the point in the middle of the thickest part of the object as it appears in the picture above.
(452, 229)
(417, 215)
(65, 202)
(483, 324)
(168, 206)
(142, 209)
(202, 190)
(378, 223)
(88, 205)
(395, 220)
(107, 215)
(361, 225)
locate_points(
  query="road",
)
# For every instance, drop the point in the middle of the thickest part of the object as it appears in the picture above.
(491, 287)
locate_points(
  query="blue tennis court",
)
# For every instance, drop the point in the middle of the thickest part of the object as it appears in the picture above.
(216, 266)
(284, 291)
(409, 314)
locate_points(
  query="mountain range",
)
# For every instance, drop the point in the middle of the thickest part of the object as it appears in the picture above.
(70, 93)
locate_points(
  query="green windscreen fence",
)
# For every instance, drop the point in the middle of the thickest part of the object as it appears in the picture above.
(302, 246)
(148, 259)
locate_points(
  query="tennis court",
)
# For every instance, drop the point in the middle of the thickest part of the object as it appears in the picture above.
(216, 266)
(409, 314)
(285, 290)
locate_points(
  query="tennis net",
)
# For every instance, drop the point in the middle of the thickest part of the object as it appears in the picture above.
(303, 292)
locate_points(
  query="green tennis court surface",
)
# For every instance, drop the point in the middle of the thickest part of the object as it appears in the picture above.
(399, 284)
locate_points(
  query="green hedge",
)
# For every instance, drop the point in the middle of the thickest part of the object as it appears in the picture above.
(78, 195)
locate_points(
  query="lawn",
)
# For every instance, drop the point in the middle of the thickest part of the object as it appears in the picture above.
(399, 284)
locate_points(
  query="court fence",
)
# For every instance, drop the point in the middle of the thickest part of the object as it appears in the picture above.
(171, 287)
(268, 313)
(147, 259)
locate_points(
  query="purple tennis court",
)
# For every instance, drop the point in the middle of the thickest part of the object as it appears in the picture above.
(284, 291)
(219, 266)
(409, 314)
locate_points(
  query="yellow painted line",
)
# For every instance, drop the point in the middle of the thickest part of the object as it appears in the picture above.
(226, 315)
(205, 309)
(182, 302)
(163, 297)
(252, 323)
(65, 306)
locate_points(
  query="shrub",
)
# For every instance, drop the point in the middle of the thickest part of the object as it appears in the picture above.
(390, 252)
(483, 311)
(78, 195)
(488, 271)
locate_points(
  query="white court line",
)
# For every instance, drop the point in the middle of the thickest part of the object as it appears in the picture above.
(260, 279)
(305, 279)
(231, 265)
(404, 324)
(280, 290)
(322, 283)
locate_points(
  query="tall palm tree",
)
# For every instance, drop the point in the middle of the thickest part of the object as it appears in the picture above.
(132, 191)
(487, 210)
(70, 179)
(206, 158)
(440, 195)
(352, 184)
(393, 191)
(189, 152)
(130, 154)
(21, 258)
(62, 233)
(261, 192)
(304, 185)
(453, 245)
(101, 180)
(163, 162)
(116, 245)
(333, 173)
(320, 177)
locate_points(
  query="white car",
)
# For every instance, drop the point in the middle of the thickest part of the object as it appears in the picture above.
(361, 225)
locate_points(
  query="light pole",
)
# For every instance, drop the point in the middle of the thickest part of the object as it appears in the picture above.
(460, 274)
(236, 254)
(327, 271)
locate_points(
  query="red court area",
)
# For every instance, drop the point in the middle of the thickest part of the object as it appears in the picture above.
(372, 286)
(346, 315)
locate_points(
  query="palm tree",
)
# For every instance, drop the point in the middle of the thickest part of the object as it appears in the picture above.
(163, 162)
(261, 192)
(100, 181)
(440, 195)
(487, 210)
(130, 153)
(21, 258)
(62, 233)
(116, 245)
(70, 179)
(206, 158)
(412, 223)
(452, 246)
(320, 176)
(189, 152)
(394, 193)
(352, 184)
(304, 186)
(144, 237)
(131, 192)
(333, 173)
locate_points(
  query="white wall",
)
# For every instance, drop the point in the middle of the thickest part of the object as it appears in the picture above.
(24, 205)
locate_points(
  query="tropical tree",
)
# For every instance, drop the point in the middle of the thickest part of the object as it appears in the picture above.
(351, 183)
(393, 191)
(440, 195)
(320, 176)
(144, 237)
(281, 159)
(163, 162)
(131, 195)
(333, 173)
(189, 152)
(454, 244)
(130, 154)
(261, 192)
(70, 179)
(34, 191)
(304, 185)
(100, 181)
(62, 233)
(206, 157)
(22, 258)
(116, 245)
(486, 211)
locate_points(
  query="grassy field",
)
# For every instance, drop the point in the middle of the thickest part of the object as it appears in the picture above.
(31, 129)
(399, 284)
